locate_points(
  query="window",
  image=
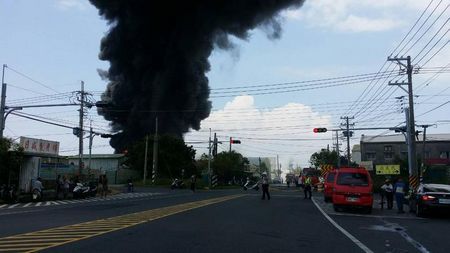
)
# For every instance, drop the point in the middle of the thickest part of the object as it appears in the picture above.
(444, 155)
(388, 155)
(371, 155)
(352, 178)
(387, 148)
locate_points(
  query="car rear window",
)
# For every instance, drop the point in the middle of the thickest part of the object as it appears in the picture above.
(330, 177)
(352, 178)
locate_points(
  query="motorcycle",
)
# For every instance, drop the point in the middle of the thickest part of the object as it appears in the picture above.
(8, 194)
(249, 185)
(84, 190)
(36, 194)
(177, 184)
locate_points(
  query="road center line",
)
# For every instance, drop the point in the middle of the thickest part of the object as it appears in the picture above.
(345, 232)
(80, 231)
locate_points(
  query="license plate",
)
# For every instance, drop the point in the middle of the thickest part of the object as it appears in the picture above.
(444, 201)
(352, 199)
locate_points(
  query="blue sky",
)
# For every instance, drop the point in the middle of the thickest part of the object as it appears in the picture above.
(56, 42)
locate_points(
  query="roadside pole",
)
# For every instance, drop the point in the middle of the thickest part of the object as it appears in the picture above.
(413, 177)
(2, 104)
(155, 152)
(145, 160)
(209, 159)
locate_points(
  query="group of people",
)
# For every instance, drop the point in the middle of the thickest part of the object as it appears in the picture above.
(397, 190)
(62, 186)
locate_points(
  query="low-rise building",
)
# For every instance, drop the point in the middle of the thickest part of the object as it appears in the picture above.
(384, 149)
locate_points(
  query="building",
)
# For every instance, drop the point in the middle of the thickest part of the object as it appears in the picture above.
(384, 149)
(356, 153)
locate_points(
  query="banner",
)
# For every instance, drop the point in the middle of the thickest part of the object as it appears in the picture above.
(387, 169)
(38, 146)
(368, 165)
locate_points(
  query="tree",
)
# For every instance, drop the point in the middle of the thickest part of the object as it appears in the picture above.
(229, 165)
(11, 155)
(173, 156)
(325, 156)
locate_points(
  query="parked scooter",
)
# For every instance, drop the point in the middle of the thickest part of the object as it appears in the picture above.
(84, 190)
(177, 184)
(8, 193)
(36, 194)
(250, 185)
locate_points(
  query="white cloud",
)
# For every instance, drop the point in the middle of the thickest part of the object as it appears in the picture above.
(356, 15)
(71, 4)
(263, 131)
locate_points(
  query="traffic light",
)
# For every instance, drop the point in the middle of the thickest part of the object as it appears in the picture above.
(319, 130)
(235, 141)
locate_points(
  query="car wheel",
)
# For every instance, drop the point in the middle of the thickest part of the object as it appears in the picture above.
(368, 210)
(325, 199)
(336, 208)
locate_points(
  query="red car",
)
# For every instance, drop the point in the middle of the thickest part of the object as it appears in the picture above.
(353, 187)
(328, 185)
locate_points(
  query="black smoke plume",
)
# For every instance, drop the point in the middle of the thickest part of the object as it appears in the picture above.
(158, 53)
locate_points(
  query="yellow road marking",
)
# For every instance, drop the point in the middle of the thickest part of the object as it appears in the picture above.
(48, 238)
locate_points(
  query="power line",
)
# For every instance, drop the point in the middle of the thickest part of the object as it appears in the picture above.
(31, 79)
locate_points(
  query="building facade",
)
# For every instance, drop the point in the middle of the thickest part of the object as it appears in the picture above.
(384, 149)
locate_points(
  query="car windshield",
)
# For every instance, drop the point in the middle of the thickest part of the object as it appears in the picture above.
(352, 178)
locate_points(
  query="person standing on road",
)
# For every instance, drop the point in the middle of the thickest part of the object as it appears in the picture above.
(193, 181)
(66, 187)
(399, 190)
(265, 186)
(388, 191)
(104, 182)
(307, 189)
(58, 186)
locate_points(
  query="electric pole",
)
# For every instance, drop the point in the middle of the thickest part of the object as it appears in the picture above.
(348, 134)
(155, 152)
(423, 148)
(91, 137)
(145, 159)
(209, 158)
(81, 131)
(2, 104)
(413, 178)
(337, 150)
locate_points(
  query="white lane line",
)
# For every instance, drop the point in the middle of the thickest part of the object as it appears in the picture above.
(27, 204)
(55, 203)
(38, 203)
(378, 216)
(48, 203)
(12, 206)
(4, 205)
(345, 232)
(402, 231)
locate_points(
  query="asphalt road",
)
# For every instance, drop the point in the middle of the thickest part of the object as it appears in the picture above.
(215, 221)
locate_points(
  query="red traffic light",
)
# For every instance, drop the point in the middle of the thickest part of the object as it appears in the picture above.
(319, 130)
(235, 141)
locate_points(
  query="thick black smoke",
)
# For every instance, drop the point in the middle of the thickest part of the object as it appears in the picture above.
(158, 53)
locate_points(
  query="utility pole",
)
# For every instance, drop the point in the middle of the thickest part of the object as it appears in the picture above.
(91, 137)
(80, 136)
(231, 140)
(209, 159)
(145, 159)
(413, 178)
(2, 105)
(423, 148)
(348, 133)
(337, 150)
(155, 152)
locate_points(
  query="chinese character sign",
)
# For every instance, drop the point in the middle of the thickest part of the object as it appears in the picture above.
(39, 146)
